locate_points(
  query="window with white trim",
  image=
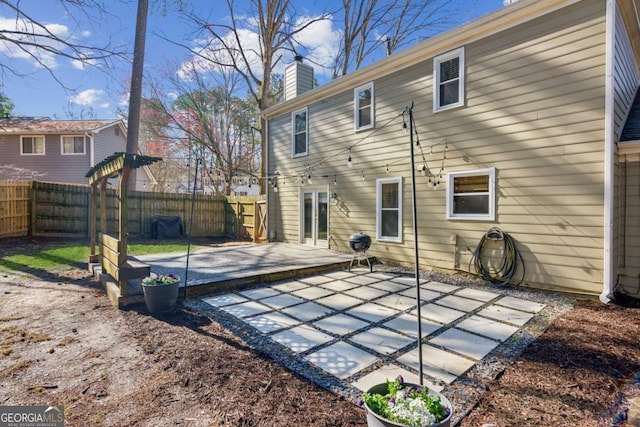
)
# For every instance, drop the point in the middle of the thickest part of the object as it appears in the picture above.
(32, 145)
(471, 194)
(364, 112)
(389, 209)
(73, 144)
(448, 80)
(300, 134)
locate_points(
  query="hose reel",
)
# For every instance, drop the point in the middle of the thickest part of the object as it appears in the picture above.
(502, 272)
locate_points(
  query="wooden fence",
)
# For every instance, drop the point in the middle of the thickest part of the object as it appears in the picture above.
(14, 208)
(45, 208)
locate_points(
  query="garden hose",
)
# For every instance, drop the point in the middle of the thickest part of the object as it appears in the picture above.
(504, 273)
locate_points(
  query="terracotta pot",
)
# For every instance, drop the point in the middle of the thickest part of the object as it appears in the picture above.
(160, 298)
(375, 420)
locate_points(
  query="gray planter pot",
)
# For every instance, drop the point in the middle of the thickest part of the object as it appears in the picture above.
(375, 420)
(160, 298)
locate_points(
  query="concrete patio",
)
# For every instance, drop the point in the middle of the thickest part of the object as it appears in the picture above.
(348, 330)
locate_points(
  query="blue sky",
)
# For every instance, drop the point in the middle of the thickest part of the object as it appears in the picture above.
(90, 91)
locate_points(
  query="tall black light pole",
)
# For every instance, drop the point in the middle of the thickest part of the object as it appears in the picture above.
(415, 241)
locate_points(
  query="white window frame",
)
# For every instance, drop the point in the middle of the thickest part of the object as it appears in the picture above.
(379, 183)
(293, 132)
(357, 108)
(44, 145)
(491, 194)
(84, 145)
(458, 53)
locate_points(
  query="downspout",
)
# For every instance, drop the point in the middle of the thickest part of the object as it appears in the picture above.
(609, 151)
(92, 155)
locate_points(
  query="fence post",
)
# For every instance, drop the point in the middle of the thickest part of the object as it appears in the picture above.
(32, 217)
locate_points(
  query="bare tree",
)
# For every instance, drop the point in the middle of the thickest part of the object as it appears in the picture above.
(369, 25)
(210, 122)
(42, 42)
(228, 47)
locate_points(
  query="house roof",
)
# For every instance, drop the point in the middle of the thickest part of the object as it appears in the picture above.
(44, 125)
(504, 18)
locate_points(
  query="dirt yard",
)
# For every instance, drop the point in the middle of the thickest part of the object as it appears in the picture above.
(62, 343)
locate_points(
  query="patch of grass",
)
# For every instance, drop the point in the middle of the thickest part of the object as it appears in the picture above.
(15, 368)
(60, 255)
(9, 319)
(66, 340)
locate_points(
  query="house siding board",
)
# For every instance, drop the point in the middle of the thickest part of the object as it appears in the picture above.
(106, 142)
(534, 110)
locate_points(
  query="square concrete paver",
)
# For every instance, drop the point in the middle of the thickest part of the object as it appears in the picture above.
(391, 372)
(396, 301)
(389, 286)
(408, 324)
(505, 314)
(438, 364)
(440, 287)
(307, 311)
(425, 294)
(340, 324)
(341, 359)
(312, 292)
(226, 299)
(459, 303)
(362, 280)
(407, 281)
(289, 286)
(245, 309)
(381, 340)
(339, 285)
(339, 302)
(488, 328)
(301, 338)
(317, 280)
(465, 343)
(259, 293)
(439, 313)
(381, 276)
(485, 296)
(339, 275)
(372, 312)
(271, 322)
(366, 292)
(281, 301)
(520, 304)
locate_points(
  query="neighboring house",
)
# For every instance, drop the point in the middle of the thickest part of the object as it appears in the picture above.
(63, 150)
(529, 102)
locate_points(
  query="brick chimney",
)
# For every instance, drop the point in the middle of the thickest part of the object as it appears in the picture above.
(298, 78)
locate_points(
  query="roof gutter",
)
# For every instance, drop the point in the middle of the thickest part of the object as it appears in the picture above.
(609, 153)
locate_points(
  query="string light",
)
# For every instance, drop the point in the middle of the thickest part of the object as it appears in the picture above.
(335, 180)
(349, 163)
(309, 178)
(363, 176)
(387, 171)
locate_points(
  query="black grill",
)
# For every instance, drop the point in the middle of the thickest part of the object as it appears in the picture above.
(359, 244)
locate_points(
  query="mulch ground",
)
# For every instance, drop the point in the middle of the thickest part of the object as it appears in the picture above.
(571, 375)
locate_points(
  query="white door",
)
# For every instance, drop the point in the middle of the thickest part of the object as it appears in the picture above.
(314, 218)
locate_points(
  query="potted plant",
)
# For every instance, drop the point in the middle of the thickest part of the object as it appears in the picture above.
(396, 403)
(160, 292)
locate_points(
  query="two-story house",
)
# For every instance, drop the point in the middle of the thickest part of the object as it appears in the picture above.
(517, 124)
(62, 150)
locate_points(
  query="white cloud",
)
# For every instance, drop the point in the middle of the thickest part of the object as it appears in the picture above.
(86, 97)
(105, 105)
(320, 39)
(27, 38)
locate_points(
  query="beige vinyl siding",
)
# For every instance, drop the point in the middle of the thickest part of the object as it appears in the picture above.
(534, 111)
(629, 248)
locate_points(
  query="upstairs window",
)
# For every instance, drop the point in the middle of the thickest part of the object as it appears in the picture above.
(299, 124)
(363, 102)
(448, 80)
(73, 145)
(32, 145)
(471, 194)
(389, 209)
